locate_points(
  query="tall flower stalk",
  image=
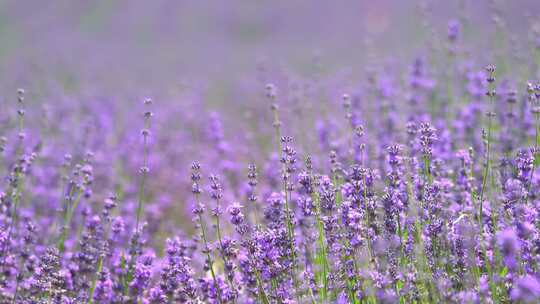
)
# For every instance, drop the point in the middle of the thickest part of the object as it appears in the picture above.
(224, 248)
(141, 196)
(534, 98)
(17, 175)
(144, 170)
(490, 114)
(198, 210)
(286, 156)
(81, 180)
(109, 204)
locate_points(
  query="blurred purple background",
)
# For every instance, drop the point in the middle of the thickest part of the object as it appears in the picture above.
(120, 46)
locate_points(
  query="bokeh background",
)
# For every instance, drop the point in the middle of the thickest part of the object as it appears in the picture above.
(144, 47)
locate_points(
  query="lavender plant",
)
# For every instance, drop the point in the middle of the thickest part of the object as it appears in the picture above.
(400, 190)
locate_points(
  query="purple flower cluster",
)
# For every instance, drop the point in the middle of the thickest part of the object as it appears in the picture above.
(418, 191)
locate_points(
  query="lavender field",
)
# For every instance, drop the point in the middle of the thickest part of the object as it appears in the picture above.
(270, 152)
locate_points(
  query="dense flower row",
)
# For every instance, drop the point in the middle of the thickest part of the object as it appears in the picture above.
(424, 191)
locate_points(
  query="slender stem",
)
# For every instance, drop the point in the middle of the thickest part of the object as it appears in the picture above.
(141, 195)
(207, 250)
(99, 267)
(321, 244)
(261, 292)
(345, 256)
(290, 228)
(421, 260)
(63, 178)
(535, 154)
(94, 281)
(144, 172)
(67, 221)
(368, 220)
(427, 169)
(220, 240)
(18, 281)
(17, 192)
(210, 262)
(488, 153)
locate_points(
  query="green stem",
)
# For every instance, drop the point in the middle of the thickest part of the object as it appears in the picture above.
(421, 260)
(290, 228)
(262, 294)
(94, 281)
(536, 157)
(321, 250)
(488, 157)
(67, 221)
(207, 250)
(368, 220)
(225, 261)
(18, 175)
(141, 195)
